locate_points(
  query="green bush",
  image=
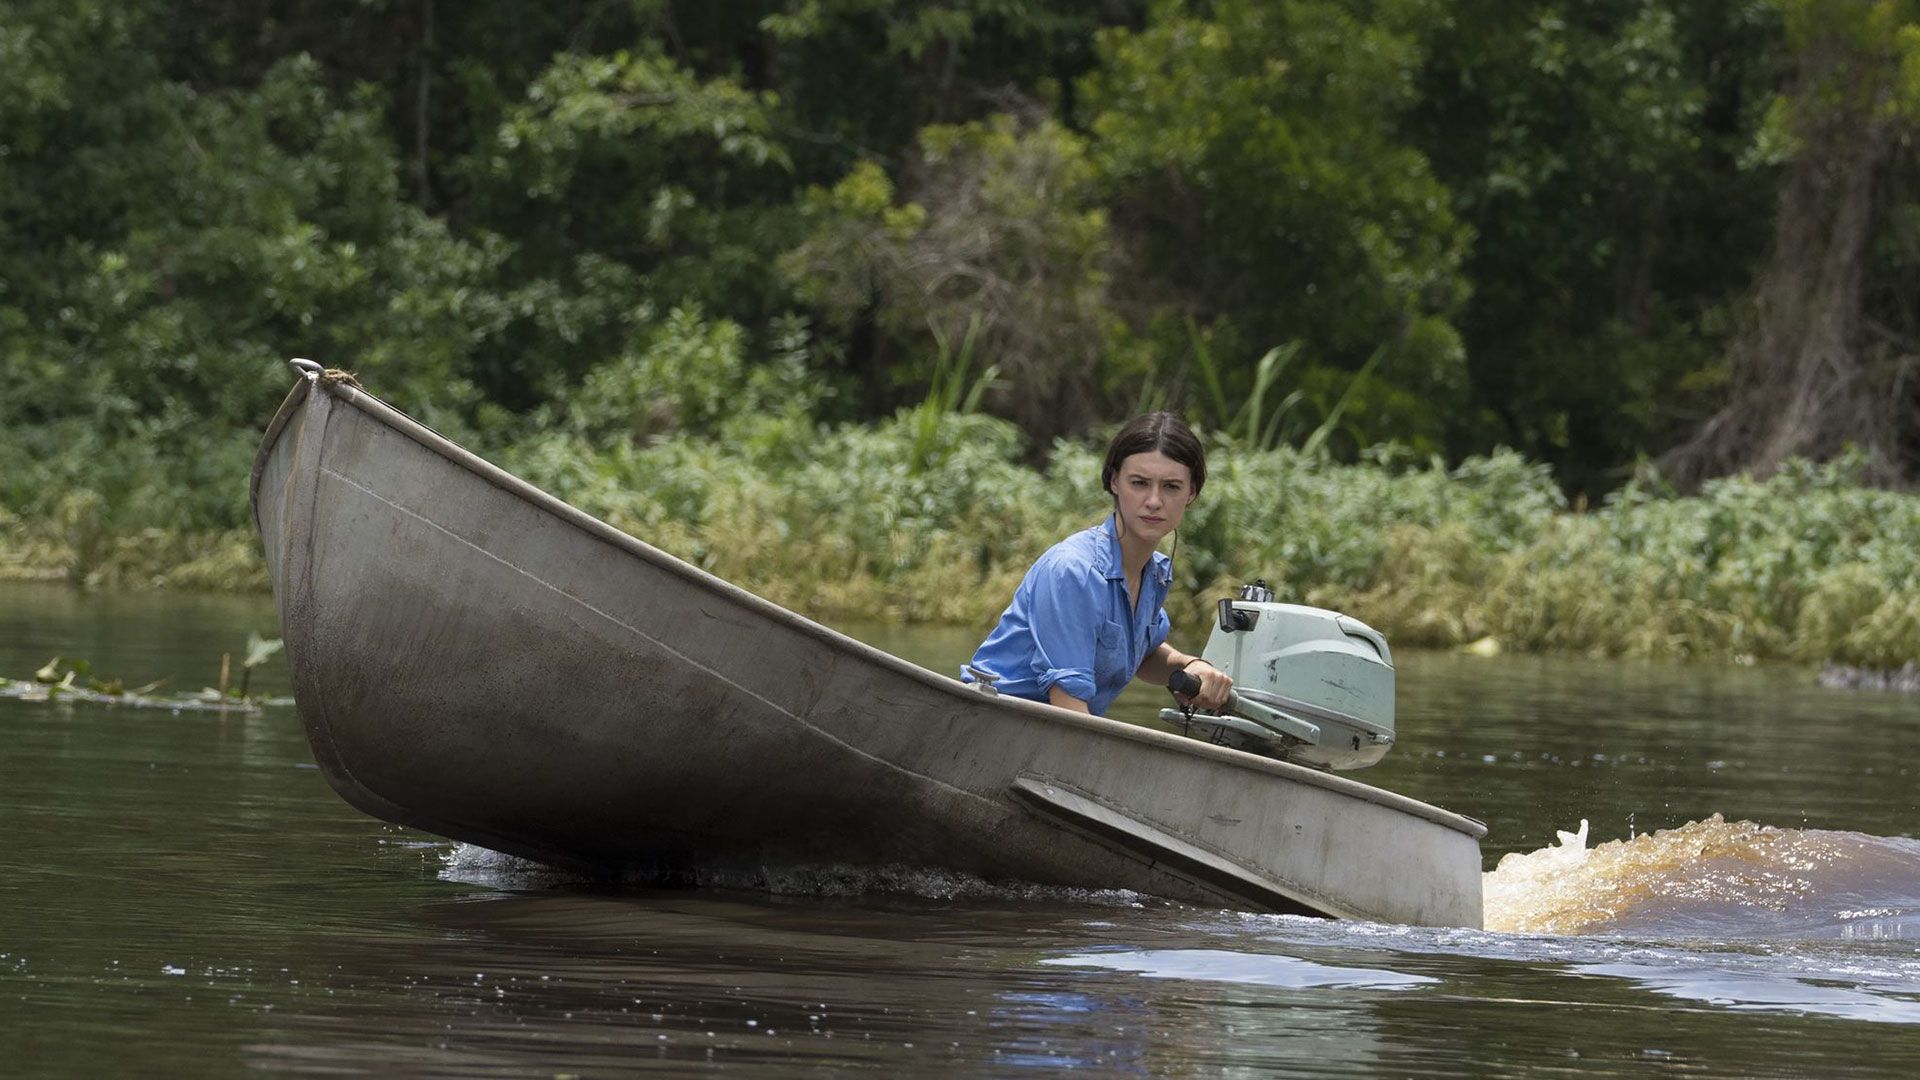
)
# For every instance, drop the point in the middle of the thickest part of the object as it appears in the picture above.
(845, 522)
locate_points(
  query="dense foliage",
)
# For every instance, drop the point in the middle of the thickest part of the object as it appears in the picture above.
(878, 521)
(648, 250)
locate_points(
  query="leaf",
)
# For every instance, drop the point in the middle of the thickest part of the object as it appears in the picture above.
(1209, 375)
(261, 649)
(1318, 439)
(1255, 426)
(50, 673)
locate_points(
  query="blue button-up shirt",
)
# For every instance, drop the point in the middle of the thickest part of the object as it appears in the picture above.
(1070, 624)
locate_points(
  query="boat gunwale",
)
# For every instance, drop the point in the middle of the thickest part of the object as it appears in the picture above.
(500, 478)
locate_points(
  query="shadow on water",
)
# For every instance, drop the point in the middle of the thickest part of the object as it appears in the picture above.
(593, 982)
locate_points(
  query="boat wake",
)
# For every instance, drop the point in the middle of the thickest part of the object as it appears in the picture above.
(1712, 879)
(473, 865)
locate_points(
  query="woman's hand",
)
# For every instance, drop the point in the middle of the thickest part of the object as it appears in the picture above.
(1215, 685)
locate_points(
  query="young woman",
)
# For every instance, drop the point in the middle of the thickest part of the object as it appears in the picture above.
(1090, 615)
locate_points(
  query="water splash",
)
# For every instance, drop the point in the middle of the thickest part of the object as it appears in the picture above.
(471, 864)
(934, 883)
(1712, 878)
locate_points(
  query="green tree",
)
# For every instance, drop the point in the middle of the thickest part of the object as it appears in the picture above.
(623, 182)
(1816, 368)
(1260, 180)
(164, 247)
(861, 78)
(1594, 148)
(1003, 246)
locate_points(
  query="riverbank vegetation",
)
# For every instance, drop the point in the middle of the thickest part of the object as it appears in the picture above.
(932, 516)
(1806, 564)
(1572, 325)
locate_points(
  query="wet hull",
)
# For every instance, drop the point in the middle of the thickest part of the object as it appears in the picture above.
(474, 658)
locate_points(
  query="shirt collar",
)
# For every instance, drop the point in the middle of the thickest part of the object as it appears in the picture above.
(1158, 562)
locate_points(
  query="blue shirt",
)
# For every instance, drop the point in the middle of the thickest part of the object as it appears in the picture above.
(1071, 624)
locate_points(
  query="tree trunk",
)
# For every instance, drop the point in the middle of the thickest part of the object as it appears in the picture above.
(422, 91)
(1800, 386)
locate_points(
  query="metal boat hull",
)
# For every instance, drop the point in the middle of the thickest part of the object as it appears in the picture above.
(475, 658)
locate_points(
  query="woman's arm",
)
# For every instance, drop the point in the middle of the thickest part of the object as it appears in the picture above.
(1060, 699)
(1063, 614)
(1162, 662)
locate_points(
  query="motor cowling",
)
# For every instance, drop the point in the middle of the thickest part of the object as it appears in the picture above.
(1311, 686)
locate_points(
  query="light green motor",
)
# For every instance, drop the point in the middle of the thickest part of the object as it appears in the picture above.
(1311, 686)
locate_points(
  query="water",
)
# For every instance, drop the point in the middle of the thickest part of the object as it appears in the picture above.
(181, 894)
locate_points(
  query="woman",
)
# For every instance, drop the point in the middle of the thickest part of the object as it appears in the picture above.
(1090, 615)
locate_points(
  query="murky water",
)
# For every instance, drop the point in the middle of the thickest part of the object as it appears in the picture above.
(182, 894)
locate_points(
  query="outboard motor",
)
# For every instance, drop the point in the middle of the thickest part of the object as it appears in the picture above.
(1311, 686)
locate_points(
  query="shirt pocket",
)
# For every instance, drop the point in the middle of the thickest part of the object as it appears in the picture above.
(1110, 655)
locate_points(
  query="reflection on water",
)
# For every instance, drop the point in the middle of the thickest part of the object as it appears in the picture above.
(1887, 996)
(182, 895)
(1218, 965)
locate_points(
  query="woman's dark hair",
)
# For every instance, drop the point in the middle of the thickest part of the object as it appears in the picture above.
(1156, 431)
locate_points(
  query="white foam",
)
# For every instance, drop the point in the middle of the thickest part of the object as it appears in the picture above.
(1711, 878)
(471, 864)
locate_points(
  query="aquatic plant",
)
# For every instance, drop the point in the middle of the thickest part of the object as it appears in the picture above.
(259, 651)
(73, 679)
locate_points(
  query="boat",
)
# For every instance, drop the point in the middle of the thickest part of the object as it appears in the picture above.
(475, 658)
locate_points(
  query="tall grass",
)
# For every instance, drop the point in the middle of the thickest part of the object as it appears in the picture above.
(1259, 423)
(955, 390)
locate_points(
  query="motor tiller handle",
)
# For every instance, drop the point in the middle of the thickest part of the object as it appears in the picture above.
(1186, 683)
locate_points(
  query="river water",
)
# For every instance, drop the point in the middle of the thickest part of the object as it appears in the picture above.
(181, 894)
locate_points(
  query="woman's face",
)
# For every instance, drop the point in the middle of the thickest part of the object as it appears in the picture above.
(1151, 492)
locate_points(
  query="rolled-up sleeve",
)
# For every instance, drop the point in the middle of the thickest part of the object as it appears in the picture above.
(1066, 602)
